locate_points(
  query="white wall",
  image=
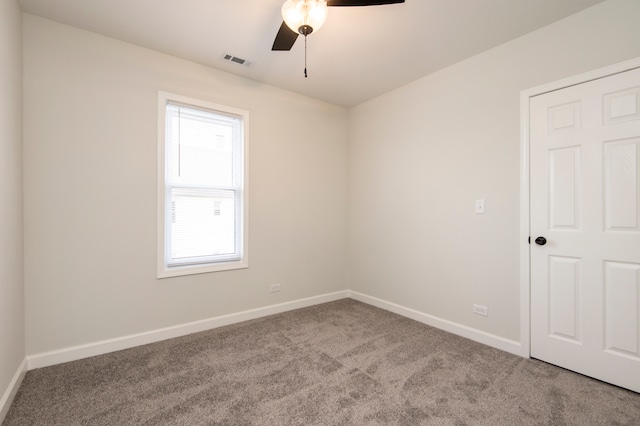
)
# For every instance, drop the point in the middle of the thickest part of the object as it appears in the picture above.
(420, 155)
(90, 150)
(12, 346)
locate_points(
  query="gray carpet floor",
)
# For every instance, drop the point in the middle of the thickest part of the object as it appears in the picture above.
(340, 363)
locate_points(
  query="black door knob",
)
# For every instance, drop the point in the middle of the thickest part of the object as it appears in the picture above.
(541, 241)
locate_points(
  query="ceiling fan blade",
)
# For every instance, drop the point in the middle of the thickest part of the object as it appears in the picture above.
(285, 38)
(361, 2)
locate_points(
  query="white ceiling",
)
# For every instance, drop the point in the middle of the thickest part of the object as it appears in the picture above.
(360, 53)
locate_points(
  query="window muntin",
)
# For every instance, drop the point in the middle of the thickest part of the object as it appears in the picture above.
(203, 187)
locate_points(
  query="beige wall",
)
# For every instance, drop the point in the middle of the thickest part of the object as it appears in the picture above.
(421, 155)
(414, 160)
(90, 151)
(12, 347)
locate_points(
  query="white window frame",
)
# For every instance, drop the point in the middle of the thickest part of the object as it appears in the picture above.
(164, 202)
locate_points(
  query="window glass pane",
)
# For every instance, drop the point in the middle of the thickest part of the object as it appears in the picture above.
(203, 146)
(202, 223)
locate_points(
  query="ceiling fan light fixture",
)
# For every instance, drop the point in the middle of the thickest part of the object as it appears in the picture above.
(304, 16)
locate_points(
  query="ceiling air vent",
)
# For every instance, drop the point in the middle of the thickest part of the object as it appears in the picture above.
(236, 60)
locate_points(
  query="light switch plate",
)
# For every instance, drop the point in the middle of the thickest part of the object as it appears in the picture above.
(479, 206)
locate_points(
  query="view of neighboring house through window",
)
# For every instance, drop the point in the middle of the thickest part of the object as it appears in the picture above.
(203, 187)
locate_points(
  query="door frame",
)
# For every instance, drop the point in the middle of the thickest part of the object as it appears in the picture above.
(525, 247)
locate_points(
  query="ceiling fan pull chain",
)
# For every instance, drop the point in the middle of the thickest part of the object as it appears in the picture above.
(305, 56)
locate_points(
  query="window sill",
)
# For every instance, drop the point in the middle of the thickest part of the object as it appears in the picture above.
(177, 271)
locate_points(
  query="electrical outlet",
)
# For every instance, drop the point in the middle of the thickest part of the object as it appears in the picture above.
(481, 310)
(275, 288)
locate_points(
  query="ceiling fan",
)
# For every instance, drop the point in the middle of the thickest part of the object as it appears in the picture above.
(306, 16)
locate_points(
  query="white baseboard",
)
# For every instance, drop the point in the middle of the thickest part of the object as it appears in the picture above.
(11, 391)
(488, 339)
(99, 348)
(106, 346)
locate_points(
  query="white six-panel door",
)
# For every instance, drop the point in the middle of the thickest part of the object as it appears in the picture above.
(585, 201)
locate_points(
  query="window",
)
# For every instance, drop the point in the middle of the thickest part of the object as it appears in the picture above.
(202, 187)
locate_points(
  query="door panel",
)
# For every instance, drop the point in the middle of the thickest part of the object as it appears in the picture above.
(564, 298)
(621, 185)
(585, 281)
(564, 181)
(621, 295)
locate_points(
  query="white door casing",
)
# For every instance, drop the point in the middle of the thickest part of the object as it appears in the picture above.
(584, 143)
